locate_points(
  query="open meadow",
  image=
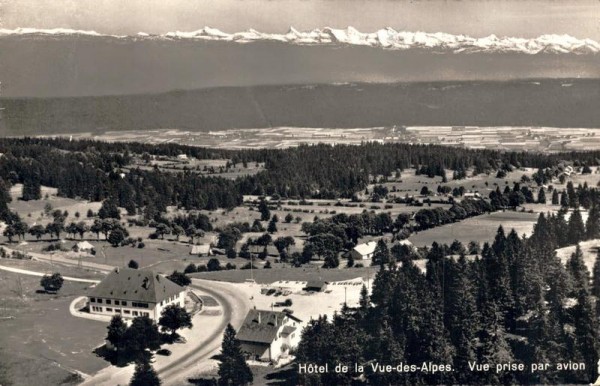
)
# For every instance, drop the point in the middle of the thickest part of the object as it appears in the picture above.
(44, 343)
(480, 228)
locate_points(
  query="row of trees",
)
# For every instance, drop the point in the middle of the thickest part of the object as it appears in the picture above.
(112, 229)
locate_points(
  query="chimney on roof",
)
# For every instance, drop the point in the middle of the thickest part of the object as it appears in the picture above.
(145, 283)
(276, 319)
(259, 317)
(157, 277)
(117, 270)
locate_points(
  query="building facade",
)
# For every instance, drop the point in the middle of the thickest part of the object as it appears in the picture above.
(134, 292)
(267, 335)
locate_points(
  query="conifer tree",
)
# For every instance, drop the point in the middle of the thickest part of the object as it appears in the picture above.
(555, 200)
(578, 271)
(263, 208)
(32, 188)
(381, 255)
(596, 277)
(364, 302)
(572, 194)
(541, 199)
(462, 315)
(233, 369)
(389, 349)
(144, 375)
(564, 199)
(592, 225)
(576, 231)
(586, 334)
(494, 349)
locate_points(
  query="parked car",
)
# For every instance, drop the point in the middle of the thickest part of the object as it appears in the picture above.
(164, 352)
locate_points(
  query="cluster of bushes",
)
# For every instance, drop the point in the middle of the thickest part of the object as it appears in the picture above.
(211, 266)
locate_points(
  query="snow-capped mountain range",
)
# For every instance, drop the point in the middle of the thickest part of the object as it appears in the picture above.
(386, 38)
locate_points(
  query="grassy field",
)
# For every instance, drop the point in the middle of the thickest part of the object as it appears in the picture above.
(411, 184)
(33, 211)
(207, 167)
(45, 343)
(481, 228)
(588, 248)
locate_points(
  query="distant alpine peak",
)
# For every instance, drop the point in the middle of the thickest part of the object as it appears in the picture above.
(386, 38)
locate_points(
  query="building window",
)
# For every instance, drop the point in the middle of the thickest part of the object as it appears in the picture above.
(127, 312)
(92, 300)
(99, 301)
(123, 303)
(108, 309)
(108, 301)
(139, 305)
(117, 303)
(135, 313)
(118, 310)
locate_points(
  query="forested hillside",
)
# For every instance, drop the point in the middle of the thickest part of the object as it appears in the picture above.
(515, 304)
(97, 170)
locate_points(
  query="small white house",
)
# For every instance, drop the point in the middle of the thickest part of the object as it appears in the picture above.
(363, 251)
(134, 292)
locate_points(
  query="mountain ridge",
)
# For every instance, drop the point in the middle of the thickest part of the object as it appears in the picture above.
(385, 38)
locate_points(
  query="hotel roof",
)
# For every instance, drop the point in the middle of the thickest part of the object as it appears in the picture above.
(137, 285)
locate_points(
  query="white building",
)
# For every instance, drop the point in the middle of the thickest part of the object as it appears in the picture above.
(363, 251)
(266, 335)
(134, 292)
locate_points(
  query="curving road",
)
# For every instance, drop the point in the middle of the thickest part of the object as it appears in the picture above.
(204, 340)
(234, 306)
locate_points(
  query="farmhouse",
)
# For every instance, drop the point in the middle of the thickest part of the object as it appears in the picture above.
(83, 246)
(363, 251)
(134, 292)
(266, 335)
(201, 250)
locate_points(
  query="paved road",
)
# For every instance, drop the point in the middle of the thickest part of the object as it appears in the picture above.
(40, 274)
(203, 341)
(234, 306)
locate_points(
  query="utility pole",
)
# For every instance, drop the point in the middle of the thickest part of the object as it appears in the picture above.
(345, 296)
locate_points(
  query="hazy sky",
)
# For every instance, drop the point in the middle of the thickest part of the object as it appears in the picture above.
(524, 18)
